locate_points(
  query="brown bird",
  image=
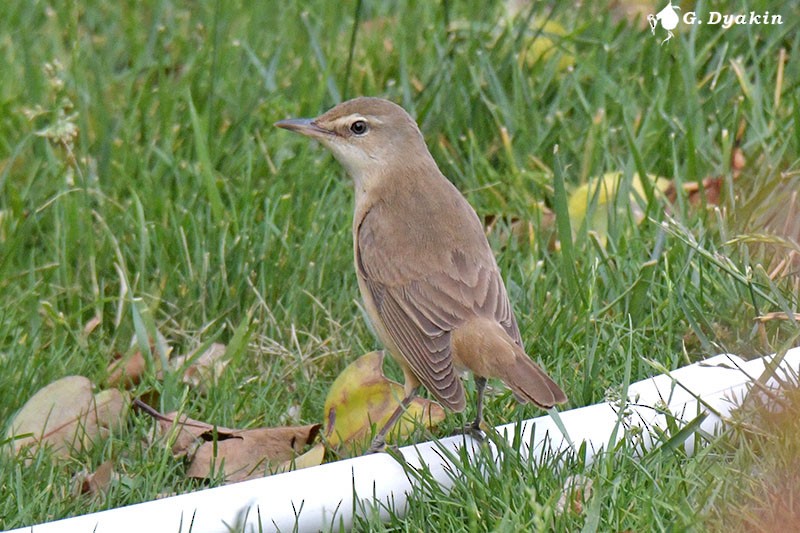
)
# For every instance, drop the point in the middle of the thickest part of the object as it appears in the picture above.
(430, 283)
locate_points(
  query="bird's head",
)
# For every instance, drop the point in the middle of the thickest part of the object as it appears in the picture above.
(370, 137)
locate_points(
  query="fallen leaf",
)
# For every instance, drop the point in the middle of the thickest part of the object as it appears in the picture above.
(200, 371)
(111, 410)
(127, 369)
(238, 453)
(709, 189)
(362, 396)
(575, 493)
(65, 415)
(186, 432)
(96, 483)
(251, 453)
(547, 39)
(598, 195)
(53, 415)
(313, 457)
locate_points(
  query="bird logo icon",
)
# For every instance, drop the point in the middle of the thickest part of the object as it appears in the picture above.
(668, 18)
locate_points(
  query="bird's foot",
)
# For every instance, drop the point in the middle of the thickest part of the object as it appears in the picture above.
(378, 446)
(472, 430)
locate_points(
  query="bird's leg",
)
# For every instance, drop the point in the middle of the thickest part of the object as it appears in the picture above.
(480, 384)
(379, 442)
(474, 430)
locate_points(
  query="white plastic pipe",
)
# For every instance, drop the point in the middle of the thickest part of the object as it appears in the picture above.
(328, 496)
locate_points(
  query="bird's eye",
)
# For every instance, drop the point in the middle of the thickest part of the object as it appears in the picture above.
(359, 127)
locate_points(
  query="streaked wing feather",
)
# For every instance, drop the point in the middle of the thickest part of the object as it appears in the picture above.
(420, 303)
(427, 355)
(447, 301)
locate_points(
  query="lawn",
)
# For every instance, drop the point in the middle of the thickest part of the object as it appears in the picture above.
(143, 188)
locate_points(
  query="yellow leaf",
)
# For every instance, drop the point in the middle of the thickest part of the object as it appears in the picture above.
(548, 39)
(313, 457)
(598, 197)
(362, 396)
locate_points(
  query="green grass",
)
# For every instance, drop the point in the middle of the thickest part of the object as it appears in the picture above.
(178, 199)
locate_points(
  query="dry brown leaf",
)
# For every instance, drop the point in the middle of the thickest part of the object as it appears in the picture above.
(111, 410)
(65, 415)
(710, 189)
(127, 369)
(187, 432)
(251, 453)
(577, 490)
(97, 482)
(204, 369)
(54, 415)
(240, 453)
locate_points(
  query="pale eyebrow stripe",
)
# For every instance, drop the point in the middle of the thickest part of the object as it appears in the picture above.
(349, 119)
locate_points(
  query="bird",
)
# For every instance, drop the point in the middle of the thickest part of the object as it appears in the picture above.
(429, 280)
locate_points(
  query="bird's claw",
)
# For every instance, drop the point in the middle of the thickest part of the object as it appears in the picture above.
(472, 430)
(377, 446)
(380, 446)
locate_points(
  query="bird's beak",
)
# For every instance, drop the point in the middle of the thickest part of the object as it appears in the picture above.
(304, 126)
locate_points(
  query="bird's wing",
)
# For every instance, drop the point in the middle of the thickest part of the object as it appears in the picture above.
(468, 289)
(420, 304)
(425, 348)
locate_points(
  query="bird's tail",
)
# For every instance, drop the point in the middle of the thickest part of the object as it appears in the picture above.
(530, 383)
(485, 348)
